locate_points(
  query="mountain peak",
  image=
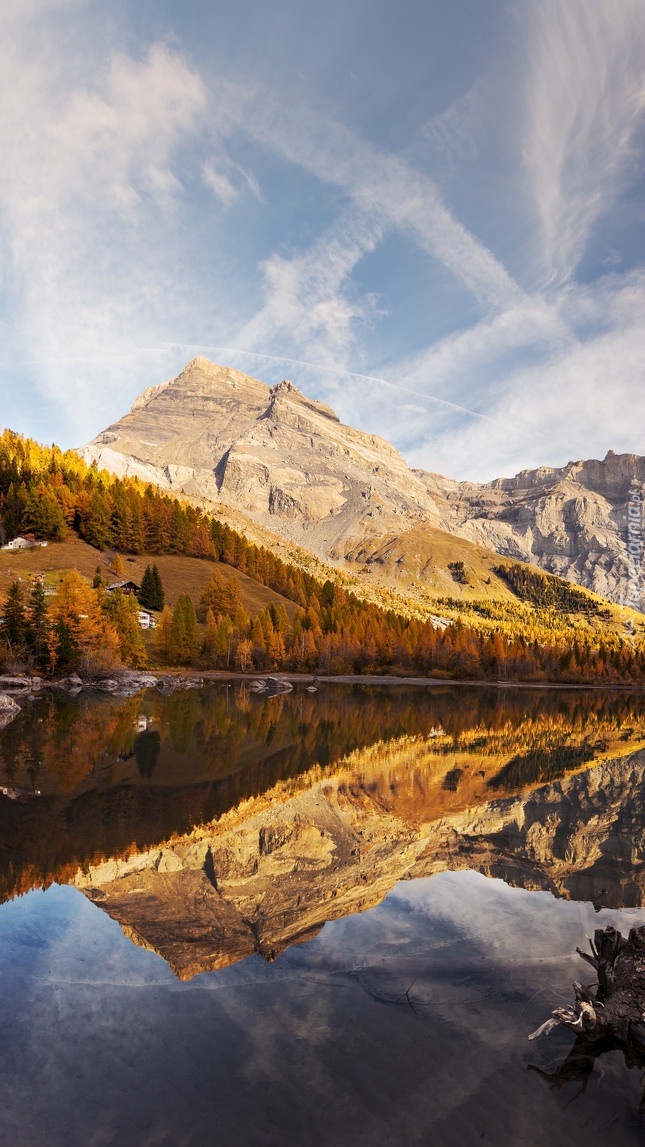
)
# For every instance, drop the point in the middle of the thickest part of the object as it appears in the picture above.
(286, 387)
(287, 462)
(285, 394)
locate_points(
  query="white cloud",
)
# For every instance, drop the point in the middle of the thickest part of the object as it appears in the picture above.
(585, 94)
(89, 178)
(576, 402)
(308, 302)
(379, 183)
(453, 133)
(459, 360)
(228, 180)
(116, 163)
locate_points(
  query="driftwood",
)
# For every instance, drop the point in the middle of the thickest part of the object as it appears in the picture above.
(610, 1014)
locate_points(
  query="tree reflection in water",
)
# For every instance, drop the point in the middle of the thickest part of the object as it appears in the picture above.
(117, 774)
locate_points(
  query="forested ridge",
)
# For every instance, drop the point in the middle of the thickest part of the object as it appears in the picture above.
(49, 492)
(546, 590)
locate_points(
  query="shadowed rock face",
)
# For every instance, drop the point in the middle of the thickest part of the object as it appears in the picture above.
(271, 874)
(287, 463)
(572, 520)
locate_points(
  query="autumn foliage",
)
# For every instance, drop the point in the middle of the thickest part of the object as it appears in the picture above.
(333, 631)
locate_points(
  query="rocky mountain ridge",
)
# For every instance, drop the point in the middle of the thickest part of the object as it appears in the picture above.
(571, 520)
(290, 465)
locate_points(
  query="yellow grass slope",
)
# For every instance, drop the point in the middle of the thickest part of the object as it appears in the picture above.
(179, 574)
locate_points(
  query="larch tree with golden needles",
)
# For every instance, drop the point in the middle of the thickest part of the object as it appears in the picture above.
(81, 637)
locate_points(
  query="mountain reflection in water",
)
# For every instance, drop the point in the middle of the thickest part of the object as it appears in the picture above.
(213, 824)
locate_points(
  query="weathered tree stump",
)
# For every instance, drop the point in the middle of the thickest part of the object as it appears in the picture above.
(611, 1013)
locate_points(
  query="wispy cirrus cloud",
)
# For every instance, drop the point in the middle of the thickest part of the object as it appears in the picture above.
(578, 400)
(89, 181)
(309, 300)
(584, 98)
(379, 183)
(228, 180)
(148, 204)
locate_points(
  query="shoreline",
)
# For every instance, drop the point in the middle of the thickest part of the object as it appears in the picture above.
(128, 682)
(394, 680)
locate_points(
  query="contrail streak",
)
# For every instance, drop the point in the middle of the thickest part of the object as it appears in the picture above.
(345, 373)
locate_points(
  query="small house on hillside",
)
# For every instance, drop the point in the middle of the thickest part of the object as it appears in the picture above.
(146, 620)
(127, 587)
(24, 542)
(19, 543)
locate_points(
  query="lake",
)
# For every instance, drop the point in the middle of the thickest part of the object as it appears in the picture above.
(327, 917)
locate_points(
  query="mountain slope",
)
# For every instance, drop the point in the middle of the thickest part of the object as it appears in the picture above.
(572, 521)
(284, 459)
(289, 465)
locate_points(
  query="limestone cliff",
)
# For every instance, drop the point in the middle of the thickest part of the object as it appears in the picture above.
(287, 463)
(573, 520)
(283, 458)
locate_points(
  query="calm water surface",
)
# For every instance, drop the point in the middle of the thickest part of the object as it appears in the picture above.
(326, 918)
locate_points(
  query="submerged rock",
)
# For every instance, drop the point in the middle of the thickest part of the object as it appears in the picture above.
(126, 684)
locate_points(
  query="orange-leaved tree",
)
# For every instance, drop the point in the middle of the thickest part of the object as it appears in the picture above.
(81, 637)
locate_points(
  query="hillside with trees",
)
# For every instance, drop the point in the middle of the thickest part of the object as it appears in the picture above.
(326, 629)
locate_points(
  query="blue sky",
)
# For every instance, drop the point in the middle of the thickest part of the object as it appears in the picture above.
(429, 215)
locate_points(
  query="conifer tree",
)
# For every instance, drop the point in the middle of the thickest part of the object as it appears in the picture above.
(151, 594)
(14, 629)
(44, 514)
(209, 653)
(96, 526)
(147, 596)
(159, 590)
(222, 595)
(38, 624)
(117, 566)
(123, 612)
(183, 638)
(81, 636)
(162, 634)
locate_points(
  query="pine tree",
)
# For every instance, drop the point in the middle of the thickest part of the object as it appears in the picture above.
(222, 595)
(209, 651)
(147, 593)
(44, 514)
(14, 629)
(38, 625)
(162, 634)
(123, 611)
(117, 566)
(213, 595)
(97, 582)
(151, 594)
(159, 590)
(183, 638)
(81, 636)
(96, 527)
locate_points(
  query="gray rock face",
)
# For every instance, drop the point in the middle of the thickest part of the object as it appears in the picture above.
(574, 520)
(288, 463)
(283, 459)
